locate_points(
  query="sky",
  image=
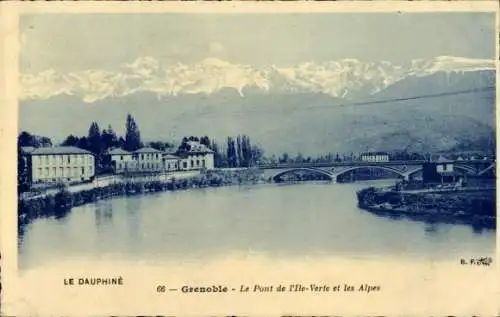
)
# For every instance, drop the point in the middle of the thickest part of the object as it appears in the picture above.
(73, 42)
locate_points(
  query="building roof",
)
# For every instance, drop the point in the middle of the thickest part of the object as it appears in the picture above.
(442, 159)
(170, 157)
(147, 150)
(118, 151)
(27, 149)
(59, 150)
(375, 153)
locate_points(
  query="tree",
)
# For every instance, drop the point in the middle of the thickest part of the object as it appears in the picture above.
(284, 158)
(299, 158)
(83, 143)
(159, 145)
(232, 158)
(219, 160)
(205, 140)
(109, 138)
(94, 139)
(257, 155)
(246, 151)
(132, 135)
(121, 142)
(184, 147)
(28, 139)
(239, 153)
(71, 140)
(44, 141)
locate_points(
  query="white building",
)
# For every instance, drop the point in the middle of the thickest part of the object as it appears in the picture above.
(375, 157)
(61, 164)
(171, 162)
(148, 159)
(444, 165)
(196, 157)
(122, 160)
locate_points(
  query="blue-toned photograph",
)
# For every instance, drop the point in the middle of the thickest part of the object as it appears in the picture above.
(184, 136)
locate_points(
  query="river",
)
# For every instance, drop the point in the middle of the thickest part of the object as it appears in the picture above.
(279, 221)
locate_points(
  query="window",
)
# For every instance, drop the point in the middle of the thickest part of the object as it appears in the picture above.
(54, 172)
(83, 170)
(142, 156)
(121, 157)
(69, 159)
(192, 163)
(185, 164)
(197, 162)
(203, 163)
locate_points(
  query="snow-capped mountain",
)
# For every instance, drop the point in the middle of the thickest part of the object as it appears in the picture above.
(346, 78)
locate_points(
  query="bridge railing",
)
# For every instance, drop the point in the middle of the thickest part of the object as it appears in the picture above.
(335, 164)
(360, 163)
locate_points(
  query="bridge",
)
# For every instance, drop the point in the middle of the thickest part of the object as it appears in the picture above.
(404, 169)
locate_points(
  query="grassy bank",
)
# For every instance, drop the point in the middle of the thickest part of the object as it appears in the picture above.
(59, 204)
(477, 208)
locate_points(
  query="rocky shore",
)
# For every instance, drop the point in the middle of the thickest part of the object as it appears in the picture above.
(473, 207)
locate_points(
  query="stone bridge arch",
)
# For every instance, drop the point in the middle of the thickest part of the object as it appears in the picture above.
(307, 169)
(403, 174)
(466, 168)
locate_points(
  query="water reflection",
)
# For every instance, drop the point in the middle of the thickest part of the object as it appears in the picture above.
(103, 215)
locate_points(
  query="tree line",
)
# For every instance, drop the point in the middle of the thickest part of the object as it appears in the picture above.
(98, 142)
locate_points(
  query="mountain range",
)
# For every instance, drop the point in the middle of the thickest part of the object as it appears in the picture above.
(312, 108)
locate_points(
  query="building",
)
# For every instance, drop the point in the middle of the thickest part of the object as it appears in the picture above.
(444, 165)
(171, 162)
(148, 159)
(440, 171)
(196, 156)
(374, 157)
(61, 164)
(191, 156)
(121, 160)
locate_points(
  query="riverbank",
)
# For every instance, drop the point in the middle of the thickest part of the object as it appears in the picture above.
(476, 207)
(59, 203)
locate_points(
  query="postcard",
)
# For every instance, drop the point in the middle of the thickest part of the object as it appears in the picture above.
(253, 158)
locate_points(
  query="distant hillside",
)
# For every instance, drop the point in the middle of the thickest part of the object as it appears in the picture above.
(310, 123)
